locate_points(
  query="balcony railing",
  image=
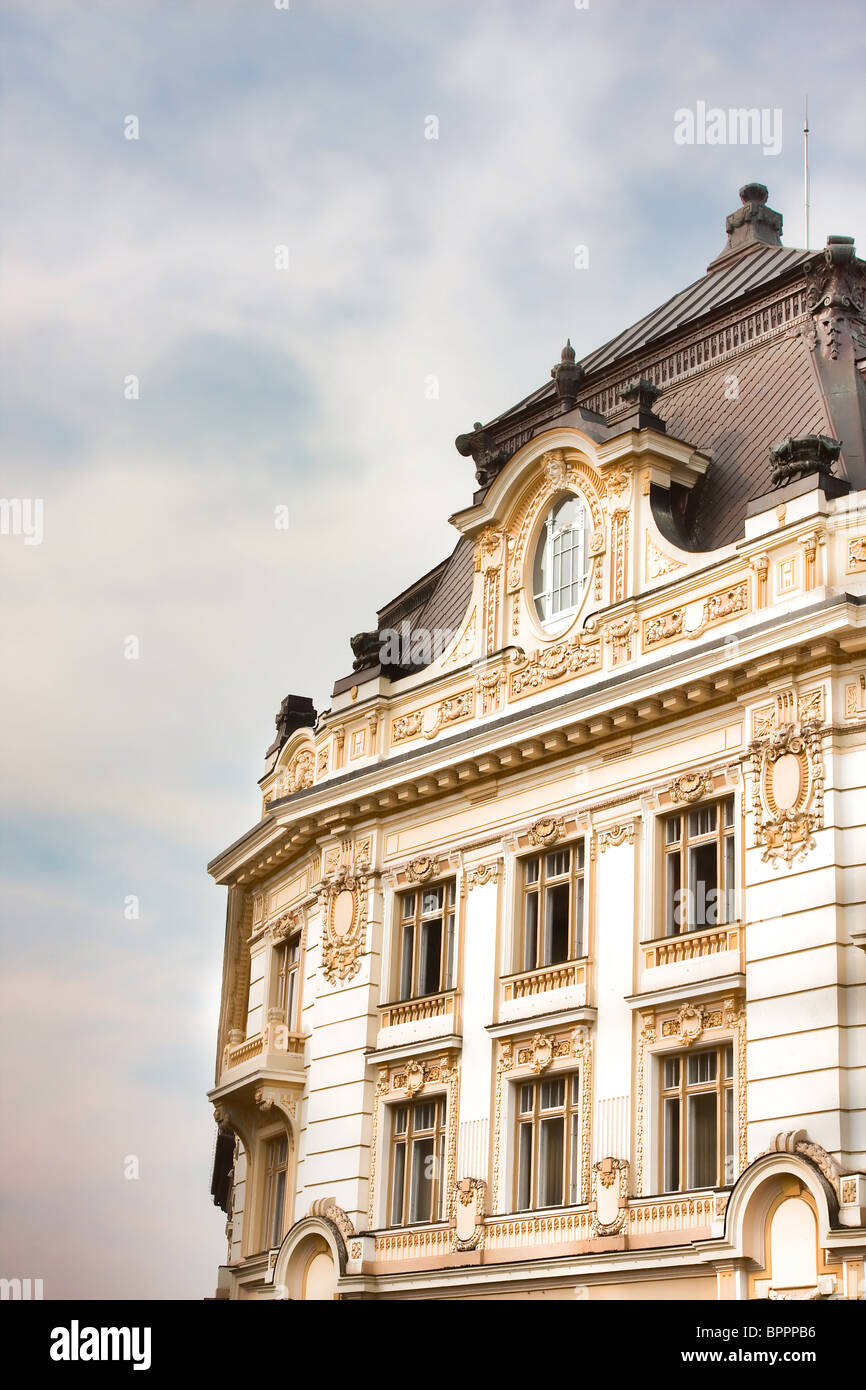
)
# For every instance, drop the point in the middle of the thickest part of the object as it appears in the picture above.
(550, 977)
(692, 945)
(414, 1010)
(276, 1038)
(649, 1221)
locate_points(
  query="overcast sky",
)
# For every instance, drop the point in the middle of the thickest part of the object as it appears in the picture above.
(408, 258)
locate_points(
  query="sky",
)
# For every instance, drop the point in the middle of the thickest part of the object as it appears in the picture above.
(282, 294)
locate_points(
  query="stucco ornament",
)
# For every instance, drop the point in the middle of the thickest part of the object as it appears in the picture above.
(344, 899)
(787, 791)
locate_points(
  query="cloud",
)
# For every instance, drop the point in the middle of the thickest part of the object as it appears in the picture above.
(155, 258)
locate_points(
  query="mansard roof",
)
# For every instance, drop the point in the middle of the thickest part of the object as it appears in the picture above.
(769, 343)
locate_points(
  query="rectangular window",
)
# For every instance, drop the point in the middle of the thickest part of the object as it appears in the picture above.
(547, 1148)
(699, 877)
(553, 908)
(276, 1170)
(417, 1188)
(287, 992)
(426, 941)
(697, 1119)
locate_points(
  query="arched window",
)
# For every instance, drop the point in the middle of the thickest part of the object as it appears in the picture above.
(561, 565)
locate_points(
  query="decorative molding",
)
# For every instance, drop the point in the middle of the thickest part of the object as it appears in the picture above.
(421, 870)
(269, 1097)
(530, 1058)
(691, 619)
(686, 1026)
(427, 721)
(855, 698)
(615, 836)
(554, 663)
(489, 686)
(344, 899)
(856, 554)
(656, 563)
(691, 786)
(327, 1208)
(546, 831)
(796, 1141)
(469, 1214)
(480, 874)
(787, 766)
(403, 1081)
(619, 637)
(611, 1207)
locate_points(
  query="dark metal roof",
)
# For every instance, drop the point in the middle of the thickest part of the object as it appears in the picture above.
(724, 286)
(777, 394)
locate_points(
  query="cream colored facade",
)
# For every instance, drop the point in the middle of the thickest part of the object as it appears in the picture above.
(734, 678)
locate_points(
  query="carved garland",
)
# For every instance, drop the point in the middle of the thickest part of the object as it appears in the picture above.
(678, 622)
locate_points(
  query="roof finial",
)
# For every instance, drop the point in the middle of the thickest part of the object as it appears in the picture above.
(567, 376)
(754, 224)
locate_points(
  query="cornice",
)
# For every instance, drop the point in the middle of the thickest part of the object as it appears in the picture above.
(653, 695)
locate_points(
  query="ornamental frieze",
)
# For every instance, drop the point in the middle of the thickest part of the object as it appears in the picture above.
(856, 554)
(555, 663)
(427, 721)
(691, 619)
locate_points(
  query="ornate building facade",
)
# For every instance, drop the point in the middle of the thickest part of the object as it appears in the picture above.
(545, 965)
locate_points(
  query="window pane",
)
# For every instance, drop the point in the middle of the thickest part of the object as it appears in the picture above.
(279, 1202)
(728, 1054)
(282, 1149)
(531, 869)
(672, 1072)
(397, 1189)
(728, 810)
(400, 1115)
(424, 1116)
(672, 830)
(556, 924)
(526, 1097)
(580, 854)
(421, 1191)
(290, 1002)
(408, 904)
(578, 918)
(406, 962)
(702, 1140)
(729, 1175)
(703, 885)
(530, 931)
(430, 963)
(524, 1167)
(552, 1093)
(672, 1145)
(702, 821)
(701, 1068)
(550, 1161)
(449, 954)
(674, 914)
(575, 1088)
(730, 881)
(574, 1178)
(431, 900)
(558, 863)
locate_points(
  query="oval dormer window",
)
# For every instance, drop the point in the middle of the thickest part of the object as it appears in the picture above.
(561, 566)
